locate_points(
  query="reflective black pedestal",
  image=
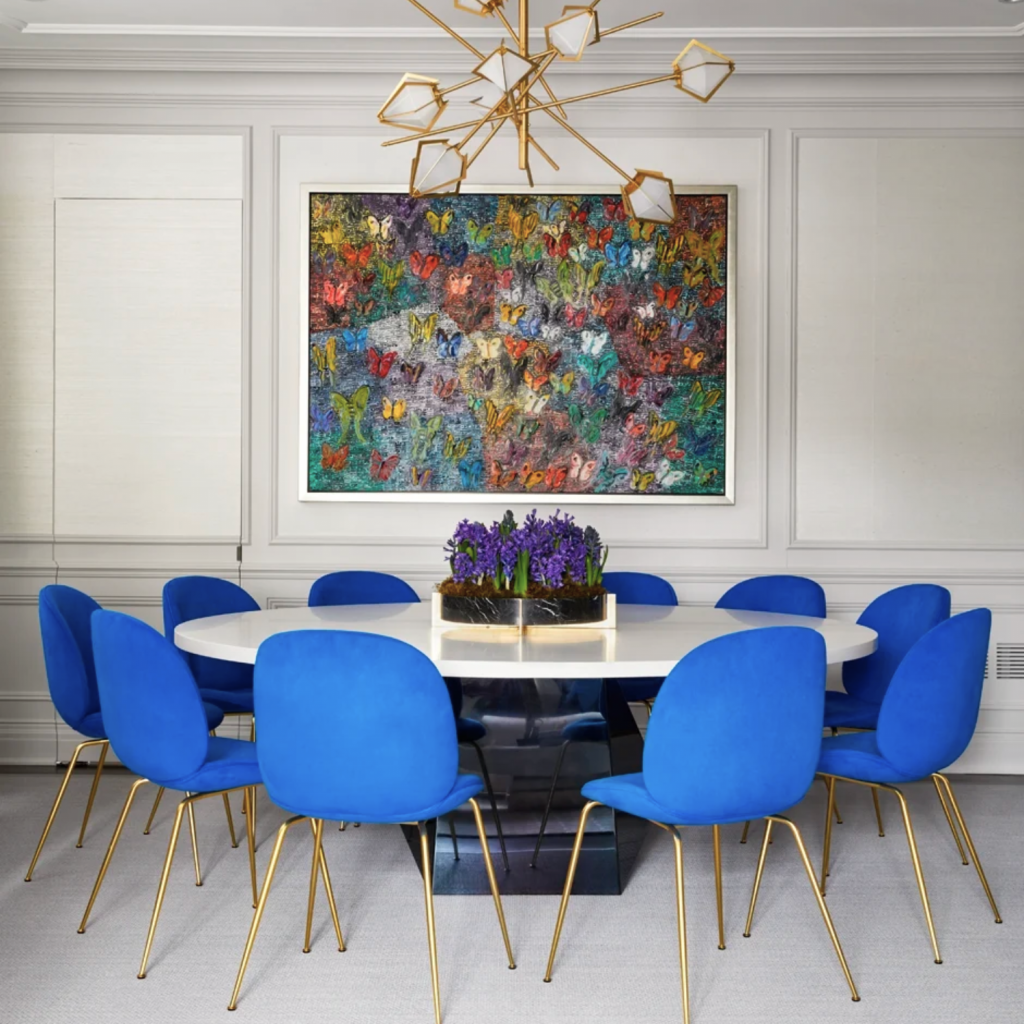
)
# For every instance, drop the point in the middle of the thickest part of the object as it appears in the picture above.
(525, 719)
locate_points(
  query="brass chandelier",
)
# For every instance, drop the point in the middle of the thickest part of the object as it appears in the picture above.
(503, 84)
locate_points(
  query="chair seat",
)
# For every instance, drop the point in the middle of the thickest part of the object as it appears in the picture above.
(466, 786)
(636, 690)
(855, 755)
(590, 729)
(628, 793)
(844, 711)
(92, 725)
(229, 764)
(469, 730)
(229, 701)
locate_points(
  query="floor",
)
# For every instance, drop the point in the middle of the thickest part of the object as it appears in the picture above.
(618, 960)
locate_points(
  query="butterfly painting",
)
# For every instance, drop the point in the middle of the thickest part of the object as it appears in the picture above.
(490, 345)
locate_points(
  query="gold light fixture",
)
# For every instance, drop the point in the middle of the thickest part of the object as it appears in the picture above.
(504, 83)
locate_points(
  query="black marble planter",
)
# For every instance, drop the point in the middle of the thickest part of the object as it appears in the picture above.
(523, 612)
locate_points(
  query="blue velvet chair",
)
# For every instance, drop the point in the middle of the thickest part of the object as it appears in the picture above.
(357, 726)
(227, 684)
(926, 721)
(787, 595)
(64, 615)
(628, 588)
(735, 735)
(157, 727)
(900, 617)
(362, 587)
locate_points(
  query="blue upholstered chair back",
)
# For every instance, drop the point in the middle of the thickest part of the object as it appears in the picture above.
(64, 615)
(151, 708)
(931, 707)
(787, 595)
(900, 617)
(352, 721)
(198, 597)
(737, 724)
(640, 588)
(357, 587)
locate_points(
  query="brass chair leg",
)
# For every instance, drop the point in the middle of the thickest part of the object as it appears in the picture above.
(681, 921)
(569, 877)
(329, 890)
(949, 821)
(716, 833)
(57, 802)
(878, 813)
(250, 830)
(192, 832)
(835, 808)
(746, 831)
(428, 895)
(455, 838)
(757, 877)
(970, 844)
(92, 793)
(260, 906)
(341, 826)
(821, 902)
(918, 873)
(494, 803)
(231, 823)
(830, 784)
(152, 813)
(318, 831)
(164, 875)
(136, 786)
(489, 865)
(550, 800)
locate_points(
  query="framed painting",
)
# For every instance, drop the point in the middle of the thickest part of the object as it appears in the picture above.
(508, 346)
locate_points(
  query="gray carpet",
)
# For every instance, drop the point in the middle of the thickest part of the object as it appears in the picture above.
(618, 959)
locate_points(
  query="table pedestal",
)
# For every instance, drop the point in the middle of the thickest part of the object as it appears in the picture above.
(525, 719)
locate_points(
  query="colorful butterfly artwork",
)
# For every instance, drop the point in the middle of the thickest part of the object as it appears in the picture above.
(517, 344)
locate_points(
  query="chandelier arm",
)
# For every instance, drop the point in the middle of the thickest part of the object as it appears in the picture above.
(495, 128)
(460, 85)
(537, 147)
(627, 25)
(447, 28)
(524, 91)
(586, 142)
(515, 38)
(535, 109)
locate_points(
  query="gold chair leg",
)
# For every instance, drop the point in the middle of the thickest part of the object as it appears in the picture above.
(746, 830)
(569, 877)
(231, 823)
(970, 844)
(195, 843)
(92, 792)
(878, 813)
(57, 802)
(492, 879)
(136, 786)
(250, 829)
(341, 826)
(918, 873)
(328, 888)
(152, 813)
(821, 902)
(757, 877)
(428, 895)
(260, 906)
(162, 888)
(830, 784)
(318, 831)
(949, 821)
(835, 807)
(717, 839)
(681, 920)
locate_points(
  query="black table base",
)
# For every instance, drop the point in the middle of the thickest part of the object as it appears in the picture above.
(525, 719)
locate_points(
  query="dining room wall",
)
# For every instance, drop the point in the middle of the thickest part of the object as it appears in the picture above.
(149, 339)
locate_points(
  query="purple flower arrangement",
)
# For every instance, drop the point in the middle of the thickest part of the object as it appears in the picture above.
(509, 560)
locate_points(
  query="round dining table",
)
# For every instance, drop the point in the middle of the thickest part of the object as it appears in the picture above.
(526, 688)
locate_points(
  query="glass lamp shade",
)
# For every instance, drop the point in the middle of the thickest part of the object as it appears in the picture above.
(573, 32)
(701, 71)
(415, 104)
(650, 197)
(505, 69)
(438, 169)
(484, 8)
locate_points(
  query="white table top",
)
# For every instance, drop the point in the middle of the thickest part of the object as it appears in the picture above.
(648, 642)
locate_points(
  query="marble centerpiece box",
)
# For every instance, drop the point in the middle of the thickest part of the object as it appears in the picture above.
(521, 613)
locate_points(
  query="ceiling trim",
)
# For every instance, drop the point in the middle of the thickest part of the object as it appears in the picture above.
(415, 31)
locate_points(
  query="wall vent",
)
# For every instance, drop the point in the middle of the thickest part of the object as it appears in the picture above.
(1009, 661)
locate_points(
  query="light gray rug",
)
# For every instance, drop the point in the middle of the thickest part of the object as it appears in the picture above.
(618, 959)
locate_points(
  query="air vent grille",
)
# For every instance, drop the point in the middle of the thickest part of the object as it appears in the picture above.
(1009, 661)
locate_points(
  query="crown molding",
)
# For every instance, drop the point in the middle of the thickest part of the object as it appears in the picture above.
(364, 61)
(9, 21)
(415, 31)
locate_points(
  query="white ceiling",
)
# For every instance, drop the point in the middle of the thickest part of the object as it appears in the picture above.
(799, 18)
